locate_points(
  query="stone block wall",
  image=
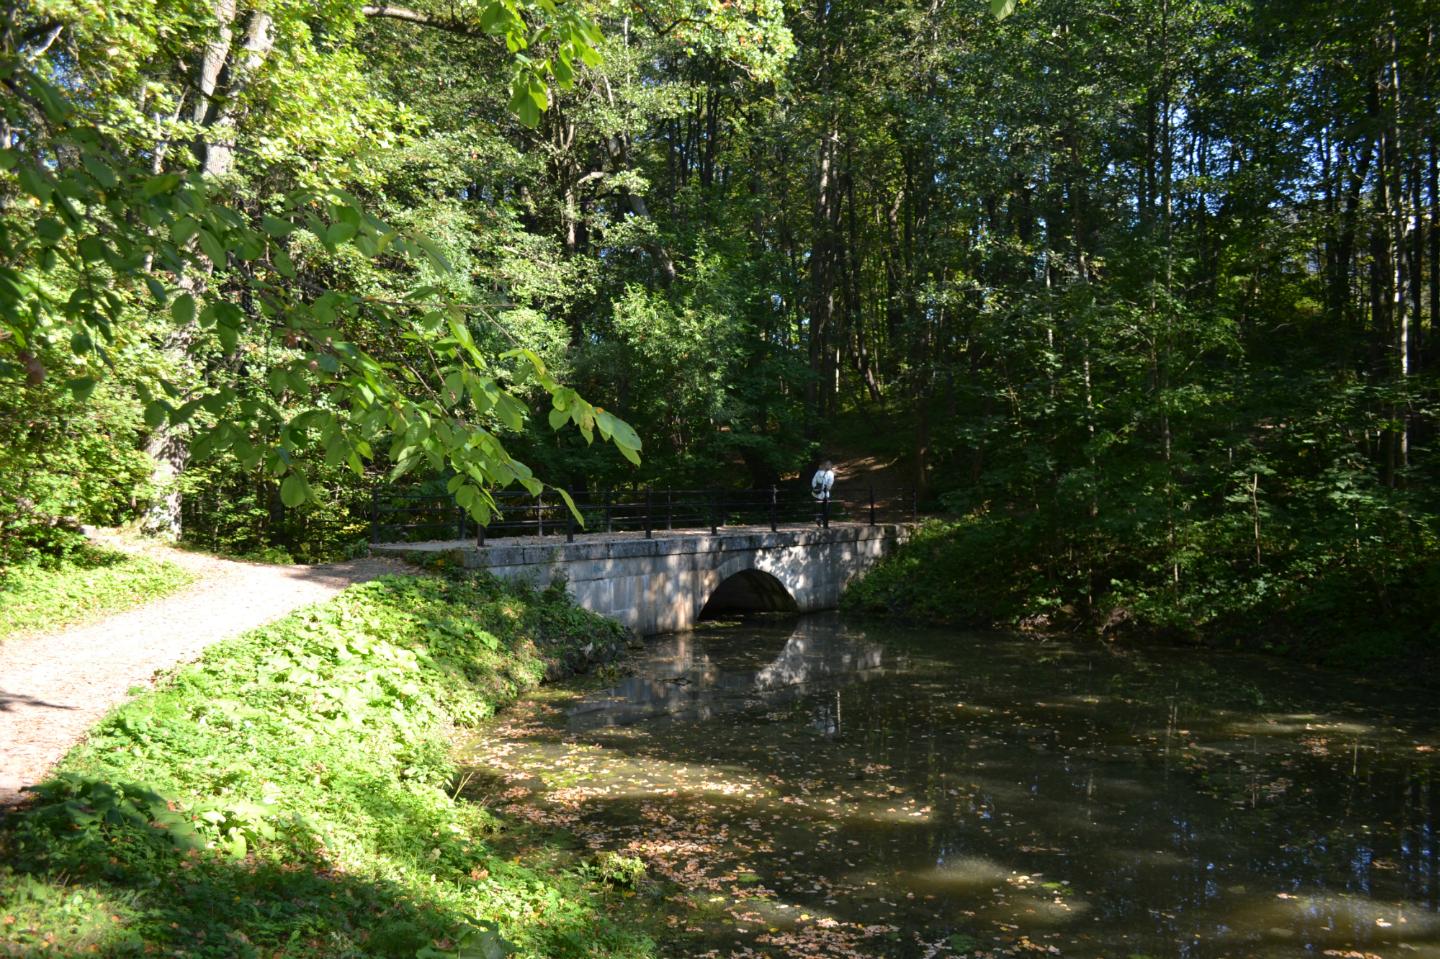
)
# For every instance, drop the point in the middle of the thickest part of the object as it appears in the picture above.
(660, 585)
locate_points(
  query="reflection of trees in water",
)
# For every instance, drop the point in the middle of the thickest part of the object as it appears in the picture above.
(827, 718)
(1005, 779)
(696, 676)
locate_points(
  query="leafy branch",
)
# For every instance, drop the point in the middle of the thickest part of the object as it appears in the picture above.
(122, 237)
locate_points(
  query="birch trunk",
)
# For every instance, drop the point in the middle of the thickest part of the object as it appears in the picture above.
(218, 118)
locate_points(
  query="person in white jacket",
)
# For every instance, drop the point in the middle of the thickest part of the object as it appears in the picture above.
(820, 487)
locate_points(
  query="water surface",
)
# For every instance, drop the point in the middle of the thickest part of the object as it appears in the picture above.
(815, 787)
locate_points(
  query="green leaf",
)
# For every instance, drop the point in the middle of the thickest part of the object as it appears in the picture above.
(535, 90)
(294, 490)
(434, 253)
(155, 412)
(1002, 8)
(283, 264)
(212, 247)
(465, 496)
(156, 185)
(182, 311)
(183, 229)
(570, 504)
(337, 233)
(454, 387)
(203, 446)
(81, 387)
(618, 431)
(496, 17)
(347, 210)
(35, 184)
(229, 337)
(187, 410)
(335, 450)
(511, 411)
(100, 171)
(485, 943)
(50, 229)
(92, 248)
(589, 55)
(523, 105)
(277, 227)
(311, 419)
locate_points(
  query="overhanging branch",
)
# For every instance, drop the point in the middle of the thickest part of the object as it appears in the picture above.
(389, 11)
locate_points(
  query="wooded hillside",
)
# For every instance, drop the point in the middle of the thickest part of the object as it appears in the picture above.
(1143, 289)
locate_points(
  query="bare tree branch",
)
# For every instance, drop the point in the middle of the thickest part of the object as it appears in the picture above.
(390, 11)
(48, 39)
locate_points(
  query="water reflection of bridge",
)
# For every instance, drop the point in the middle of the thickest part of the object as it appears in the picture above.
(684, 676)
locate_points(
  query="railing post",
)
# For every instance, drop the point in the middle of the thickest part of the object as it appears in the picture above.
(714, 512)
(774, 525)
(609, 519)
(540, 513)
(872, 504)
(825, 512)
(570, 523)
(374, 514)
(649, 512)
(480, 533)
(915, 504)
(669, 508)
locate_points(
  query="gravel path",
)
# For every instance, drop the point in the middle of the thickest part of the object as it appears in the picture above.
(55, 686)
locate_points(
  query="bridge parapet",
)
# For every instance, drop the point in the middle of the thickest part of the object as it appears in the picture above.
(662, 584)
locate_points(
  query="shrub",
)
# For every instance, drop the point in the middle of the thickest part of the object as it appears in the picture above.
(86, 581)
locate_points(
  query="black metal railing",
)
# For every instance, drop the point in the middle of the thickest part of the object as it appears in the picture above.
(421, 514)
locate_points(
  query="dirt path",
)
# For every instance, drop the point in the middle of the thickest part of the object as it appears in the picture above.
(859, 470)
(54, 687)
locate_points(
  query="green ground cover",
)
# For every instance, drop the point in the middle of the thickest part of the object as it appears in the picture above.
(293, 794)
(84, 584)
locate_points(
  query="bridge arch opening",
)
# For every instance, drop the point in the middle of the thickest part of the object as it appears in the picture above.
(749, 591)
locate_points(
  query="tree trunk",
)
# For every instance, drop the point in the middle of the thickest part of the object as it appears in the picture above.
(822, 278)
(218, 118)
(1434, 241)
(615, 148)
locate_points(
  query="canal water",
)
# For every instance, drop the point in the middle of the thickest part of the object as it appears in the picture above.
(822, 787)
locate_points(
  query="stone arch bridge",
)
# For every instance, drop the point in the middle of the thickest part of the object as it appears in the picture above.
(669, 582)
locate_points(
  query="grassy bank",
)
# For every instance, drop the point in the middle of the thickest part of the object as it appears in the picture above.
(1349, 603)
(291, 795)
(86, 583)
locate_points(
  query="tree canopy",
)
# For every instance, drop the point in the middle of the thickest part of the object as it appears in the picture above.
(1147, 285)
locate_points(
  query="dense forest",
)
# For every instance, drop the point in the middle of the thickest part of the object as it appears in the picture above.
(1141, 294)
